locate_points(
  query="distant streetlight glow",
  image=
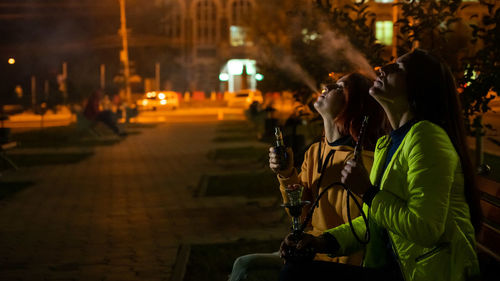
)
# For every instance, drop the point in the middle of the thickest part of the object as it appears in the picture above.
(259, 77)
(12, 61)
(223, 77)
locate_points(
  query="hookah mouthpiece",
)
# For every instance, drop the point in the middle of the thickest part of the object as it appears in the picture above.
(359, 143)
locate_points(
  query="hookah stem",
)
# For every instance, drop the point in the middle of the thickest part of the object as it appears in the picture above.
(357, 156)
(313, 206)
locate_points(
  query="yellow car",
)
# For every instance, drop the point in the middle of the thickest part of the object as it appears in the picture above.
(243, 98)
(159, 100)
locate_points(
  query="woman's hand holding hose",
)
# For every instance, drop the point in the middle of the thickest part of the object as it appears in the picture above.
(355, 177)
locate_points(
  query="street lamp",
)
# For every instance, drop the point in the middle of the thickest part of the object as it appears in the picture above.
(124, 52)
(11, 61)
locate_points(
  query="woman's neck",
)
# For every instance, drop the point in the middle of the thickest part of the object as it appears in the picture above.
(398, 118)
(331, 131)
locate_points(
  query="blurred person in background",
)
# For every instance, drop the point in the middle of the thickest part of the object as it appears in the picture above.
(94, 113)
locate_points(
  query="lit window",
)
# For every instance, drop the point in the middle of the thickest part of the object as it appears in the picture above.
(239, 17)
(171, 21)
(383, 32)
(206, 21)
(240, 11)
(237, 36)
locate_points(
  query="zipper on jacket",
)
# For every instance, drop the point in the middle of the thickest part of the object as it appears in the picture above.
(432, 252)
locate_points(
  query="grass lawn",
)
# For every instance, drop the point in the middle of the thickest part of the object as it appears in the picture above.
(41, 159)
(246, 184)
(234, 127)
(235, 138)
(243, 153)
(8, 189)
(215, 261)
(60, 137)
(235, 131)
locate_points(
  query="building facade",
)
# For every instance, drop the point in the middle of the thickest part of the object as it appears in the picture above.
(215, 51)
(212, 41)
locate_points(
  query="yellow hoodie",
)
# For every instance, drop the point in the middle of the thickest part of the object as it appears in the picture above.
(332, 209)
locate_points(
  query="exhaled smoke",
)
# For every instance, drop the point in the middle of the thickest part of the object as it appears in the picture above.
(287, 63)
(335, 47)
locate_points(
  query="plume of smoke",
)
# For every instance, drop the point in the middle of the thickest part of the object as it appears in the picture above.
(277, 56)
(289, 64)
(335, 46)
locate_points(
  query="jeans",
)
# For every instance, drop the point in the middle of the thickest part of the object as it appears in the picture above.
(262, 267)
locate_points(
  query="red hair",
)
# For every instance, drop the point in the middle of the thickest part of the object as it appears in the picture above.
(359, 103)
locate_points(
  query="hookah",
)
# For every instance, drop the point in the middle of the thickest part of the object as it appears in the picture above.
(295, 205)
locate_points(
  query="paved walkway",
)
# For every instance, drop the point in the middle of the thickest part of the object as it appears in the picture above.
(123, 213)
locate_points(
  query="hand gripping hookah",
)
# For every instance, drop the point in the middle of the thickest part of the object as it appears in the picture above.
(295, 205)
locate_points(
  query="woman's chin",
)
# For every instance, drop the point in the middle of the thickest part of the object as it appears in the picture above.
(374, 91)
(317, 104)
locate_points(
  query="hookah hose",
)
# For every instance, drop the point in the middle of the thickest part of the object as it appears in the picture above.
(357, 156)
(358, 205)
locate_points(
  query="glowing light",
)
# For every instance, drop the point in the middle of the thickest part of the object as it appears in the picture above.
(161, 96)
(11, 61)
(259, 77)
(376, 68)
(163, 102)
(383, 32)
(145, 102)
(250, 67)
(235, 67)
(223, 77)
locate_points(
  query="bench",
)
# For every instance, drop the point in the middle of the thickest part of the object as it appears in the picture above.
(85, 125)
(3, 153)
(488, 238)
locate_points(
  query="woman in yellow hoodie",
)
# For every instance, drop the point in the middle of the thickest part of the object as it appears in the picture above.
(342, 106)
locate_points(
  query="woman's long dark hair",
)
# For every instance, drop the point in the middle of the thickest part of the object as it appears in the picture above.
(359, 103)
(432, 96)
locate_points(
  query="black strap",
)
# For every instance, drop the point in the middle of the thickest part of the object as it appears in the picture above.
(321, 167)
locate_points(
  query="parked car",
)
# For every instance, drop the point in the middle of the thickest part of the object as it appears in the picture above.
(243, 98)
(159, 100)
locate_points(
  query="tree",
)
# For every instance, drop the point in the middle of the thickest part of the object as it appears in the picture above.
(473, 57)
(300, 46)
(435, 26)
(481, 81)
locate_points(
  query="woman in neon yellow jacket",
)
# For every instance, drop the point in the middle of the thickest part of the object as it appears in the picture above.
(420, 196)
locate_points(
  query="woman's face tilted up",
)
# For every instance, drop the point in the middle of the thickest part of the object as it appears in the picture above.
(390, 86)
(332, 100)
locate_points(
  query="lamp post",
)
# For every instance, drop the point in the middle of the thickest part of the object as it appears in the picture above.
(124, 52)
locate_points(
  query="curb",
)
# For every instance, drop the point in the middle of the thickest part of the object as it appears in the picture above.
(181, 262)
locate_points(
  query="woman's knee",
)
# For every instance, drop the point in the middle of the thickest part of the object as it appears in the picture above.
(240, 268)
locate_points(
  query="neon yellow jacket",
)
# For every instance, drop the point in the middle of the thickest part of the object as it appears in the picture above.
(422, 206)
